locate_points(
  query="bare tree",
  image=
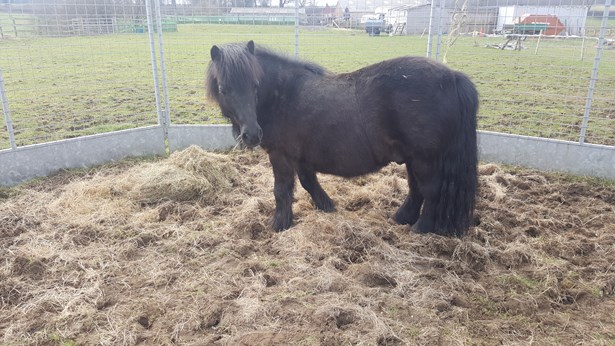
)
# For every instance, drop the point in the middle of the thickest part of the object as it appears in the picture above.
(302, 3)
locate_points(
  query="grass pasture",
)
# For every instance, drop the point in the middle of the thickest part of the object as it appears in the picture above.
(62, 87)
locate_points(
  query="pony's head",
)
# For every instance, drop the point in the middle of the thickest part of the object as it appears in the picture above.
(233, 80)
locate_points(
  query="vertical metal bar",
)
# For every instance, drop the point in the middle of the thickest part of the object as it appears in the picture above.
(152, 50)
(7, 113)
(430, 34)
(163, 70)
(439, 40)
(594, 78)
(296, 29)
(538, 43)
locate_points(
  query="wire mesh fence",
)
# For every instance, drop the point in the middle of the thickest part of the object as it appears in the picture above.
(78, 67)
(74, 68)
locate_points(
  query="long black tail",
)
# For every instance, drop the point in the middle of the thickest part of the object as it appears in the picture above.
(455, 208)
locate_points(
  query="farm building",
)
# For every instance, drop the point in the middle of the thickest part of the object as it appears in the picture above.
(318, 15)
(397, 15)
(487, 16)
(550, 22)
(417, 18)
(261, 15)
(373, 6)
(572, 17)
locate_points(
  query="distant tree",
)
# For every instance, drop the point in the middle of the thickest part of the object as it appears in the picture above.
(302, 3)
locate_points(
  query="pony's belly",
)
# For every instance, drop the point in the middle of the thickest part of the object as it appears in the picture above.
(348, 172)
(350, 163)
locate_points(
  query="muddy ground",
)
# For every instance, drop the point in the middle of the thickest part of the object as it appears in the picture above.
(178, 251)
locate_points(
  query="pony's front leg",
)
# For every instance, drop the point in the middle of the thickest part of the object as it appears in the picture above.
(309, 181)
(284, 181)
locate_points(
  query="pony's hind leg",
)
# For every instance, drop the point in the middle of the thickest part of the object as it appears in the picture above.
(284, 182)
(429, 182)
(409, 212)
(309, 181)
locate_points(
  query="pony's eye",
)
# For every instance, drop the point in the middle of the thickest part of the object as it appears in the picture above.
(222, 90)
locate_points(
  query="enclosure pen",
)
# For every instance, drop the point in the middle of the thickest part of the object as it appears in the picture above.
(131, 215)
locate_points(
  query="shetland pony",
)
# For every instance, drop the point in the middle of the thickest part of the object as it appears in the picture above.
(409, 110)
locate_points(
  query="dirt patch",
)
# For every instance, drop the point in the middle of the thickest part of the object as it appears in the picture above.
(179, 251)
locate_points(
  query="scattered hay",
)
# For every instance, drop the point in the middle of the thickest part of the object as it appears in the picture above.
(189, 175)
(157, 183)
(180, 251)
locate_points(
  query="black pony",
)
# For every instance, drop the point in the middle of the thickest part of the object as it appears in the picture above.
(409, 110)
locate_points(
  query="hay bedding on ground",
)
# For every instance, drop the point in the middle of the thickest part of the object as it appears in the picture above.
(178, 251)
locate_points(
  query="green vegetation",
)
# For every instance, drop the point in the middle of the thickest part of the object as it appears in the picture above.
(57, 339)
(62, 87)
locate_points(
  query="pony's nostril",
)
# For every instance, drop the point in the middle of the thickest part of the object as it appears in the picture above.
(251, 139)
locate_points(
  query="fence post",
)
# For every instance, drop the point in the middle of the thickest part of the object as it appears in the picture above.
(163, 70)
(439, 40)
(7, 113)
(430, 34)
(152, 50)
(594, 77)
(296, 29)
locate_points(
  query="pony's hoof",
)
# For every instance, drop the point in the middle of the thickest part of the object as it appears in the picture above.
(402, 218)
(417, 227)
(323, 202)
(326, 207)
(281, 225)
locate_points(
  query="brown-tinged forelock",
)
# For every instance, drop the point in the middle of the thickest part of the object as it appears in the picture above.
(236, 65)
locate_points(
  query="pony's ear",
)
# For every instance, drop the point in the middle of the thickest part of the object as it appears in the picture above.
(251, 46)
(215, 53)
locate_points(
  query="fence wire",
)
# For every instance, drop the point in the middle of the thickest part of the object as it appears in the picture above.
(78, 67)
(75, 68)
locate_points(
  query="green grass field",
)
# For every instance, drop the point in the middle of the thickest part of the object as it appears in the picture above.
(62, 87)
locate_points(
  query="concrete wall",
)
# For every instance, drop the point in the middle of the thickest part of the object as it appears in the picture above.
(548, 154)
(41, 160)
(25, 163)
(208, 137)
(28, 162)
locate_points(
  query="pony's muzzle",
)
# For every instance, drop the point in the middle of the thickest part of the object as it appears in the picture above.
(252, 137)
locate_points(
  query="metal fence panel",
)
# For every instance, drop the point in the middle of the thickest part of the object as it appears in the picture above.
(186, 51)
(532, 82)
(599, 126)
(7, 123)
(75, 67)
(533, 67)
